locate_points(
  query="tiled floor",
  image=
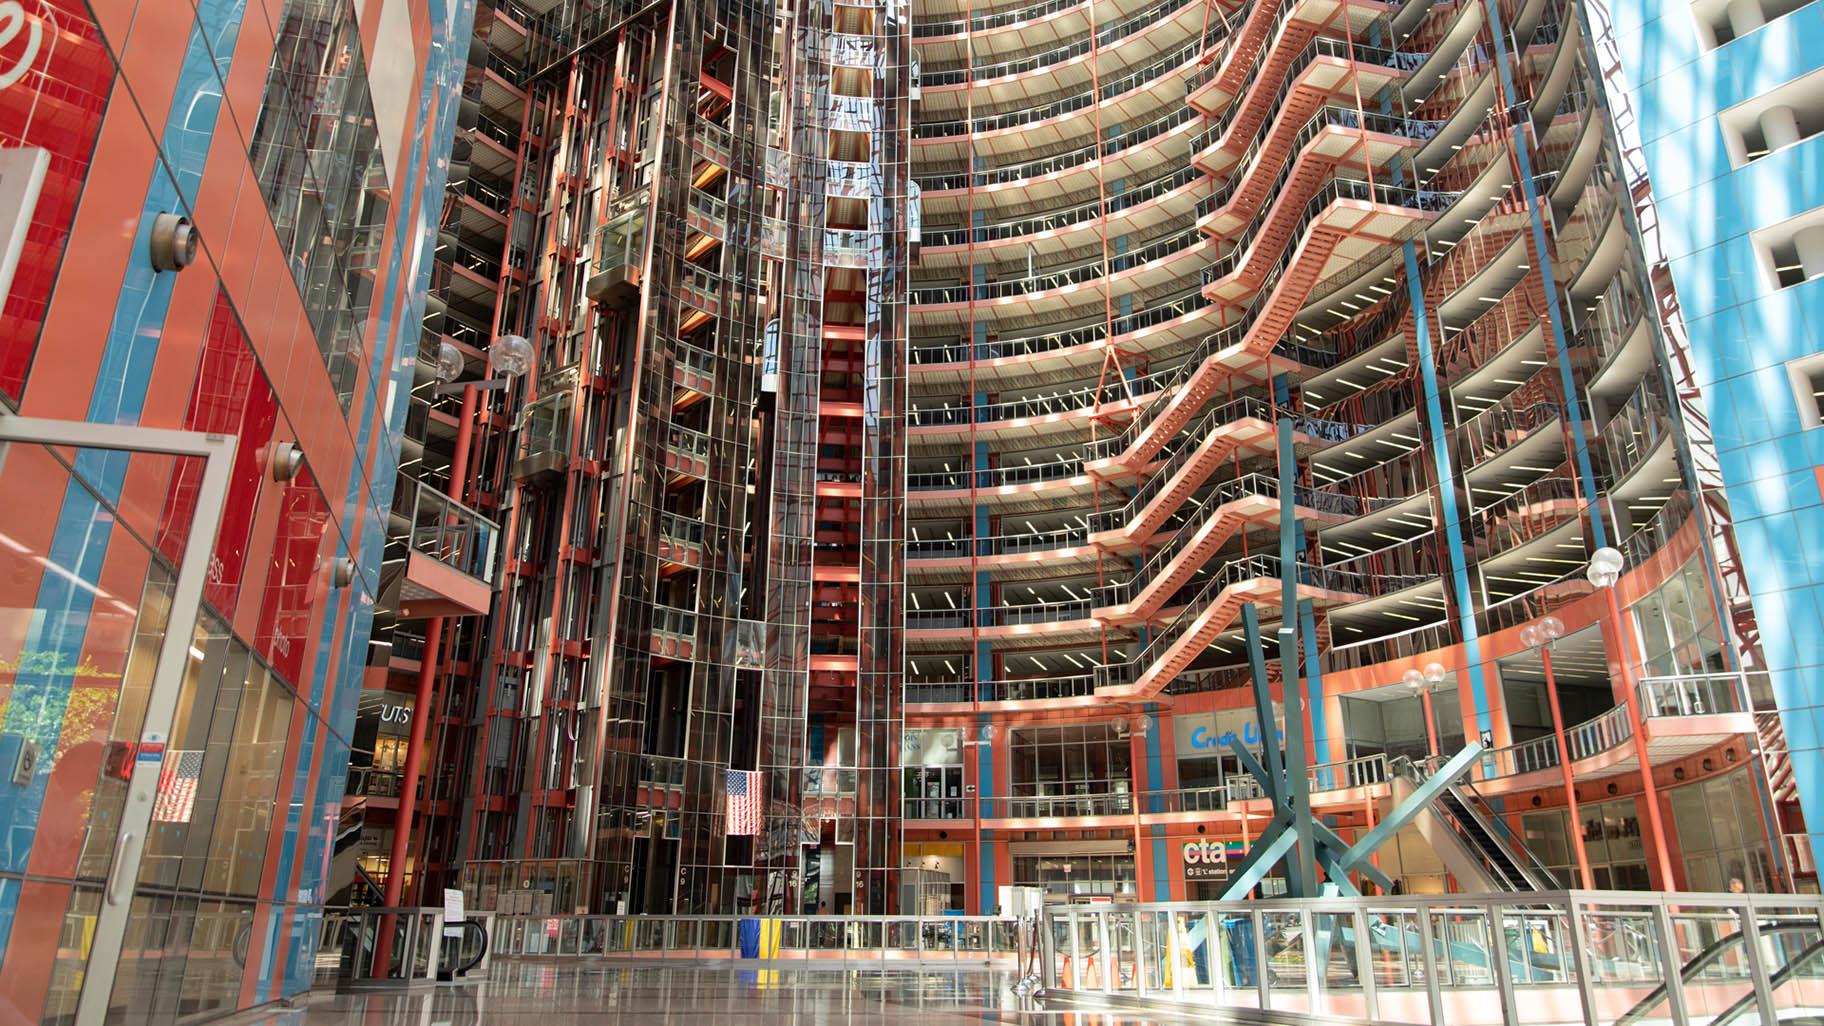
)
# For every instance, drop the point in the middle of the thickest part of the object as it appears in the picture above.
(570, 995)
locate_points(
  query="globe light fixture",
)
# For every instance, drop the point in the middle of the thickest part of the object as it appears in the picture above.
(449, 363)
(1605, 567)
(510, 356)
(1435, 673)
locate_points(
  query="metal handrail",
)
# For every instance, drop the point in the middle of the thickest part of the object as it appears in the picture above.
(447, 531)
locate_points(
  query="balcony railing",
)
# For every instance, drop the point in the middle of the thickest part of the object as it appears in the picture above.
(1362, 771)
(446, 530)
(1174, 117)
(1056, 55)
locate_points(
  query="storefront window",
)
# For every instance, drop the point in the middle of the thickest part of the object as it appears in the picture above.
(1073, 876)
(932, 768)
(1611, 839)
(1719, 834)
(1391, 722)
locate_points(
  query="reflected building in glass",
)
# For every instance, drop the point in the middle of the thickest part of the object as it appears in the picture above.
(213, 231)
(1725, 101)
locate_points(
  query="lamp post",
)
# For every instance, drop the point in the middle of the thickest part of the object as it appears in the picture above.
(1604, 571)
(508, 358)
(1421, 683)
(984, 735)
(1540, 636)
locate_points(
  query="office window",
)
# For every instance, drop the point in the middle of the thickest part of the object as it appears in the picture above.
(1792, 252)
(1808, 388)
(1723, 21)
(1783, 116)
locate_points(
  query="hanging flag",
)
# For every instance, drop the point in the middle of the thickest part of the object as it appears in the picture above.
(743, 788)
(177, 787)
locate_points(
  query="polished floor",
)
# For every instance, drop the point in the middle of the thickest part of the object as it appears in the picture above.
(531, 995)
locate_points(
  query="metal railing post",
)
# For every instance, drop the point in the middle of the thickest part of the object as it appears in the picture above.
(1364, 962)
(1672, 965)
(1259, 940)
(1434, 1000)
(1497, 961)
(1580, 956)
(1757, 964)
(1307, 927)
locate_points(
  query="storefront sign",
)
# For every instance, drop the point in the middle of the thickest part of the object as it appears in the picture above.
(931, 747)
(1200, 735)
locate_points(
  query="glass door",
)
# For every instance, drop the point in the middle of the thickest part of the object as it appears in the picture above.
(96, 631)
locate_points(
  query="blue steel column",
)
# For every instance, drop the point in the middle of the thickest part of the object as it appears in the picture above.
(1447, 492)
(1567, 379)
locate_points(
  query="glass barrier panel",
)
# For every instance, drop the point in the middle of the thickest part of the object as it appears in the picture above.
(1123, 950)
(1155, 961)
(1793, 956)
(595, 931)
(1537, 946)
(430, 943)
(1465, 937)
(1090, 970)
(567, 936)
(718, 935)
(1627, 980)
(1334, 936)
(1240, 965)
(972, 936)
(824, 935)
(1198, 956)
(793, 937)
(1287, 953)
(1003, 937)
(649, 936)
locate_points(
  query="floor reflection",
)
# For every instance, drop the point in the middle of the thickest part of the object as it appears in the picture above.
(572, 995)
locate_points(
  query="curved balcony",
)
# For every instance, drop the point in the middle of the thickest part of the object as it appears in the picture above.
(1681, 713)
(1133, 26)
(979, 128)
(1057, 223)
(1038, 286)
(1013, 177)
(1087, 340)
(988, 21)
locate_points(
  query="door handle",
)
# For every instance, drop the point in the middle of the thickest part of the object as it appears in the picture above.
(120, 859)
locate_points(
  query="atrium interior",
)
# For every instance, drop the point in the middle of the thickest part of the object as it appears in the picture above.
(1302, 504)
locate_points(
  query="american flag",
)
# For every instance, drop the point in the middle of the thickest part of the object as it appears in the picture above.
(177, 787)
(743, 788)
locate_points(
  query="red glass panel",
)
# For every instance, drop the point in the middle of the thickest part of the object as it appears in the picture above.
(294, 578)
(231, 397)
(57, 75)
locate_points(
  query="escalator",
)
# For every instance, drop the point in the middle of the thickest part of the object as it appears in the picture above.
(1717, 965)
(1465, 832)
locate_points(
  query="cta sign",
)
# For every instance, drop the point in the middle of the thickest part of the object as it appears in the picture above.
(1205, 859)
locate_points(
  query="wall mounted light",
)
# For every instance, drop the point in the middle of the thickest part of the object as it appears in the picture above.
(284, 461)
(173, 243)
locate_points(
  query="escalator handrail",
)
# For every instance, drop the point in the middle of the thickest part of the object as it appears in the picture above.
(1531, 875)
(1538, 875)
(450, 946)
(1774, 982)
(1707, 957)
